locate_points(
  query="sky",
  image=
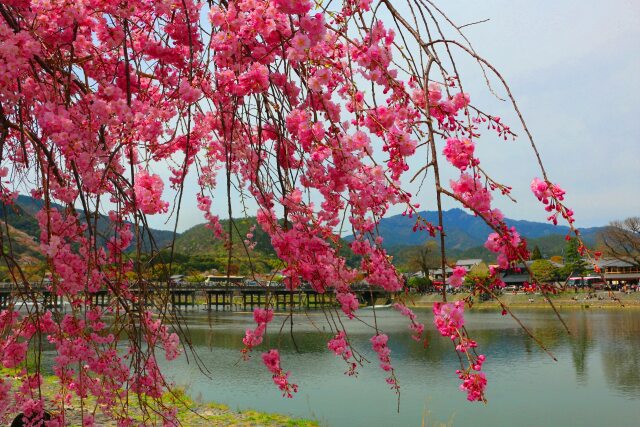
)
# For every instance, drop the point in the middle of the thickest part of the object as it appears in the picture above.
(574, 68)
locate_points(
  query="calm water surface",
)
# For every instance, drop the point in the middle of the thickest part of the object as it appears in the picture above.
(596, 381)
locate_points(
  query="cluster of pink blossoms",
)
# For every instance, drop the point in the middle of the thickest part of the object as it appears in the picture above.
(165, 86)
(444, 109)
(551, 195)
(509, 246)
(474, 383)
(459, 152)
(348, 302)
(254, 337)
(457, 276)
(271, 360)
(472, 193)
(157, 333)
(148, 189)
(545, 191)
(449, 320)
(213, 221)
(415, 326)
(340, 347)
(379, 345)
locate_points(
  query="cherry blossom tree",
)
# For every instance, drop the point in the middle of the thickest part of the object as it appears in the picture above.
(315, 111)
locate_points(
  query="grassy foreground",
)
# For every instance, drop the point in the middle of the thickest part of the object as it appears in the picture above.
(189, 412)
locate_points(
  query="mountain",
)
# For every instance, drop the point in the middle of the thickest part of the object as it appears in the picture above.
(201, 240)
(466, 235)
(21, 217)
(466, 231)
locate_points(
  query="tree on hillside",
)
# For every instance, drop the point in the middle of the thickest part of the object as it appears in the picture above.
(621, 240)
(305, 115)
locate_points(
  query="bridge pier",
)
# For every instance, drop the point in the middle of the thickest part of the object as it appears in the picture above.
(183, 298)
(314, 300)
(254, 298)
(51, 300)
(5, 297)
(100, 298)
(222, 298)
(286, 298)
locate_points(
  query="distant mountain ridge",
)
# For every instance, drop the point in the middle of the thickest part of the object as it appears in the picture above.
(465, 231)
(21, 217)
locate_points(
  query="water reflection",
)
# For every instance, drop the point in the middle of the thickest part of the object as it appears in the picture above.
(620, 347)
(517, 368)
(581, 343)
(597, 374)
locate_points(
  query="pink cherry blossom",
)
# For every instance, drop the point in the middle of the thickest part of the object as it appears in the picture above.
(459, 152)
(415, 326)
(309, 112)
(271, 360)
(148, 189)
(457, 277)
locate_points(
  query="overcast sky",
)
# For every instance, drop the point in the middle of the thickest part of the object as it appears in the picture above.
(574, 68)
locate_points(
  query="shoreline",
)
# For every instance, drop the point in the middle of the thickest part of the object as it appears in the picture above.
(189, 411)
(571, 301)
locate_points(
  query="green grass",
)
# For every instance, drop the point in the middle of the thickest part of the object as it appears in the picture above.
(189, 412)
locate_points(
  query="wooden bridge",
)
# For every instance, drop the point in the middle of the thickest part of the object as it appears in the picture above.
(42, 295)
(213, 296)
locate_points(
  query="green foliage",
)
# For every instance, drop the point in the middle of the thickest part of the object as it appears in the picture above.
(421, 284)
(17, 217)
(416, 258)
(544, 271)
(573, 262)
(571, 255)
(4, 274)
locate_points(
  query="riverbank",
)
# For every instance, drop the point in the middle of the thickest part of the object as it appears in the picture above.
(565, 300)
(210, 415)
(189, 412)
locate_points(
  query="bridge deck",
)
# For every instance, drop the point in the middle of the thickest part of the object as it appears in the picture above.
(213, 297)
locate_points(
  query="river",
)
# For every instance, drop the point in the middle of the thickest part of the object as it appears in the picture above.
(595, 382)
